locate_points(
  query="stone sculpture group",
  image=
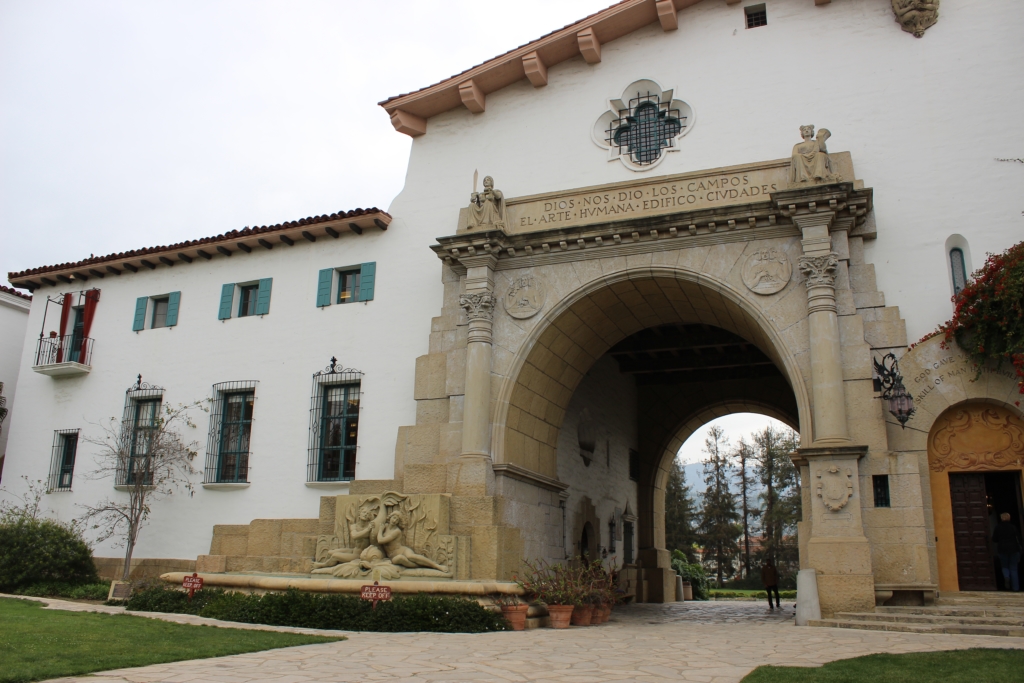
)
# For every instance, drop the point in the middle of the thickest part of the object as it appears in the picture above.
(377, 537)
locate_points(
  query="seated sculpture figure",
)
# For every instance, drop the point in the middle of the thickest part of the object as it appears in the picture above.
(361, 532)
(391, 539)
(487, 208)
(810, 163)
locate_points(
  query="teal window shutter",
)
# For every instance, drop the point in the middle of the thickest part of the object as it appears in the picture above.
(173, 299)
(263, 297)
(323, 287)
(367, 275)
(140, 313)
(227, 295)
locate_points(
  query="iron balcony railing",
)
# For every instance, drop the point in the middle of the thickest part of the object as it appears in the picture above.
(70, 348)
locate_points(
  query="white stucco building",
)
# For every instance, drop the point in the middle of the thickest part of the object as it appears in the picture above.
(14, 307)
(918, 197)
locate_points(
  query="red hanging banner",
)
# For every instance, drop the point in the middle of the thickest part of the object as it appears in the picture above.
(65, 313)
(92, 297)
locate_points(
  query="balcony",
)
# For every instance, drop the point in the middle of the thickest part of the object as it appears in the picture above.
(65, 356)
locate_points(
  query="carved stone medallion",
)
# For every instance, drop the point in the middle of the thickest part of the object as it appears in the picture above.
(916, 16)
(525, 296)
(767, 271)
(835, 487)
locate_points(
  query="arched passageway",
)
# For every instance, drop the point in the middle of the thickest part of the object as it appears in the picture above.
(667, 350)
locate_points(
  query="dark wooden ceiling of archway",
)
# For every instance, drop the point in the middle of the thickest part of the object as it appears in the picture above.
(684, 354)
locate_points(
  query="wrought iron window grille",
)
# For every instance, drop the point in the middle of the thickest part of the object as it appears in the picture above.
(62, 462)
(645, 128)
(336, 399)
(757, 15)
(228, 445)
(142, 408)
(957, 264)
(880, 486)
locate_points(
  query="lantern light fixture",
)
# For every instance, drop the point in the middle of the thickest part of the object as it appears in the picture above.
(890, 383)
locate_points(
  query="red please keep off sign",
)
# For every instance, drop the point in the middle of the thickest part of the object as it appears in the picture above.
(375, 593)
(192, 583)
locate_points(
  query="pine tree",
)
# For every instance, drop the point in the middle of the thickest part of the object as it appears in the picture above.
(719, 527)
(781, 495)
(680, 513)
(744, 456)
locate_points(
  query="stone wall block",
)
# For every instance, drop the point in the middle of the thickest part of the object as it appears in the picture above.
(455, 372)
(856, 245)
(211, 564)
(264, 537)
(425, 479)
(450, 441)
(229, 539)
(475, 510)
(868, 299)
(885, 334)
(418, 445)
(862, 278)
(367, 487)
(845, 302)
(432, 410)
(430, 376)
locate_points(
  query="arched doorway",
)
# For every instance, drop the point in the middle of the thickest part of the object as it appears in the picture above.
(687, 345)
(975, 463)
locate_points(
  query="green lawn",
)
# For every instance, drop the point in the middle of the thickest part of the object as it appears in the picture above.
(37, 644)
(954, 666)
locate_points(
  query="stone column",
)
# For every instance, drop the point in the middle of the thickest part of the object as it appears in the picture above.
(474, 475)
(819, 264)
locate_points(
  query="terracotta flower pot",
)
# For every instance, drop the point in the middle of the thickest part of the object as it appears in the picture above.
(515, 615)
(560, 615)
(581, 615)
(604, 611)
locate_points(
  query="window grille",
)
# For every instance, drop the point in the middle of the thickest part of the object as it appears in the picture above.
(757, 15)
(139, 421)
(880, 483)
(334, 423)
(644, 128)
(957, 263)
(62, 463)
(228, 444)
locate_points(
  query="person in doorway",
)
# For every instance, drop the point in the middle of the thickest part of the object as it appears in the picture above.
(770, 579)
(1007, 540)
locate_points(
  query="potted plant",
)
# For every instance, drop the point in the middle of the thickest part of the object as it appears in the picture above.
(552, 585)
(512, 609)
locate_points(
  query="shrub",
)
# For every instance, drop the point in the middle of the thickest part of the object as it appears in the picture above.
(325, 611)
(35, 551)
(87, 591)
(694, 573)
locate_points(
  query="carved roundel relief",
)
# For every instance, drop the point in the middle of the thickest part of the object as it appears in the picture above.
(525, 296)
(767, 271)
(835, 487)
(643, 125)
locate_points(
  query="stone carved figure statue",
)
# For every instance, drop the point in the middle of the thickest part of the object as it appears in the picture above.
(916, 16)
(385, 536)
(487, 208)
(390, 538)
(810, 163)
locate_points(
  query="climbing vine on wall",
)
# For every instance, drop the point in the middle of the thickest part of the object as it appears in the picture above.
(988, 320)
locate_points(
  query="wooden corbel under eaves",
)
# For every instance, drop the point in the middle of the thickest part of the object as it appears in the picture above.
(590, 46)
(472, 96)
(667, 14)
(536, 69)
(407, 123)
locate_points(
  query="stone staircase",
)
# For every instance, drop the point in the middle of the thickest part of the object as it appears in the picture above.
(979, 614)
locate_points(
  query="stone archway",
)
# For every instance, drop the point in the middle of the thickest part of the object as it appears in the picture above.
(579, 330)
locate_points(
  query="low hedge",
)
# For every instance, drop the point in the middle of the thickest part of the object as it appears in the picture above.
(87, 591)
(34, 551)
(325, 611)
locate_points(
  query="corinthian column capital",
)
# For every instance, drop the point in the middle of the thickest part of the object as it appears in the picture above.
(820, 270)
(478, 306)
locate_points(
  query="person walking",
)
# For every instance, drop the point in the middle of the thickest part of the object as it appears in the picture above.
(770, 579)
(1008, 546)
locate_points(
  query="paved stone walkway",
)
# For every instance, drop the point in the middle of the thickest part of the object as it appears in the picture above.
(713, 642)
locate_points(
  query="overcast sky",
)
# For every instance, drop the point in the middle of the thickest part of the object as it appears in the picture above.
(134, 124)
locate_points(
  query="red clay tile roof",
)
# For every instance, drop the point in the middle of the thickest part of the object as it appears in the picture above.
(15, 292)
(368, 217)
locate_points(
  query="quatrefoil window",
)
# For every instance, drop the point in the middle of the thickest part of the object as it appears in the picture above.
(642, 126)
(645, 128)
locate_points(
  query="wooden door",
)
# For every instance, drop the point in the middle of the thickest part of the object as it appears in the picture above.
(970, 528)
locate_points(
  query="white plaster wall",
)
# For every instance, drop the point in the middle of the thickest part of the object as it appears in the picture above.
(609, 399)
(923, 118)
(13, 324)
(282, 350)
